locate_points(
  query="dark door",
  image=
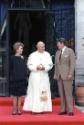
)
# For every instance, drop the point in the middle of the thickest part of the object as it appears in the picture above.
(39, 27)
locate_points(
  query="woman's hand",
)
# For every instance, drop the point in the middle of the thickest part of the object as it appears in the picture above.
(55, 77)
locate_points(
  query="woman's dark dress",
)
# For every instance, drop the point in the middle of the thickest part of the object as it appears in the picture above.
(18, 76)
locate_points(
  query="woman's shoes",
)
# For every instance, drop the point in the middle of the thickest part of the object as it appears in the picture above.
(15, 112)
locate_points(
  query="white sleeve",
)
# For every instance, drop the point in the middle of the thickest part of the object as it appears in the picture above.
(48, 66)
(30, 64)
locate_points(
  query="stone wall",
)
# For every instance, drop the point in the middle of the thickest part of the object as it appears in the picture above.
(79, 41)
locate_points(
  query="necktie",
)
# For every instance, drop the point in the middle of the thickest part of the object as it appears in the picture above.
(60, 55)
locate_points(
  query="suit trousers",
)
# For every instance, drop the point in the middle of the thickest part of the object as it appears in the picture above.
(65, 92)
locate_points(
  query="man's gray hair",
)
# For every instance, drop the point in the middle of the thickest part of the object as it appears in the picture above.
(17, 45)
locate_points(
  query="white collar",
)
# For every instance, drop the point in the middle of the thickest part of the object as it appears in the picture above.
(63, 49)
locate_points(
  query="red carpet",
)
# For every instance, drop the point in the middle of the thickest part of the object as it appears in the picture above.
(41, 119)
(8, 101)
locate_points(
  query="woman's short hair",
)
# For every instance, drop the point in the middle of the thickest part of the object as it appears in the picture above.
(17, 45)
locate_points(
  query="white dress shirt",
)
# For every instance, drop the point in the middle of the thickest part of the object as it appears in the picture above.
(63, 49)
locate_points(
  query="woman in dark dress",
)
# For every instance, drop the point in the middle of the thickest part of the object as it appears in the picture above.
(18, 77)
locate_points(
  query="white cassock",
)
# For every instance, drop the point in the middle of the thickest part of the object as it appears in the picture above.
(38, 98)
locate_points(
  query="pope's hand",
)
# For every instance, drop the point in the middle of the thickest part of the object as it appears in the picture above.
(40, 67)
(43, 68)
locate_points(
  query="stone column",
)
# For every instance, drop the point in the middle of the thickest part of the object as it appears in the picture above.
(79, 41)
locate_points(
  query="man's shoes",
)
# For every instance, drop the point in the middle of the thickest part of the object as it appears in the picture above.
(71, 113)
(62, 113)
(19, 112)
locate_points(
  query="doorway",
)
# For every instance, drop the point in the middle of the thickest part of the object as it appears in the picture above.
(30, 26)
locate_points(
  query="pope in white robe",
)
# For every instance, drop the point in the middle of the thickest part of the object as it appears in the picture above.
(38, 98)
